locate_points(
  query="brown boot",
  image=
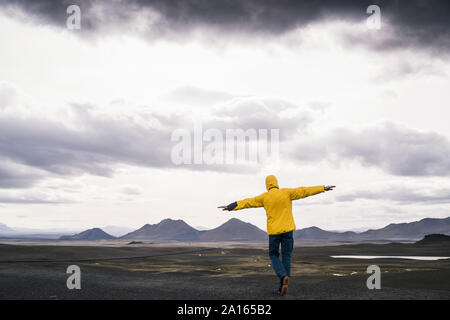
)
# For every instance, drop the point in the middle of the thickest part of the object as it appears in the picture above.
(284, 286)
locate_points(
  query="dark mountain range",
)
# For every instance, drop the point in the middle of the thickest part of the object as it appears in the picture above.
(435, 239)
(412, 231)
(408, 231)
(166, 230)
(89, 235)
(237, 230)
(234, 230)
(4, 229)
(178, 230)
(317, 234)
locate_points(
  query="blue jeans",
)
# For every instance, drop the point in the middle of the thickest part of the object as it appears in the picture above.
(282, 268)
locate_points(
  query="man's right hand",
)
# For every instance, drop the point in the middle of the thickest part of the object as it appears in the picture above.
(229, 207)
(329, 188)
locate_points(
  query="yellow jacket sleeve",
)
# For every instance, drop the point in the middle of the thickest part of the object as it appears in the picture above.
(255, 202)
(303, 192)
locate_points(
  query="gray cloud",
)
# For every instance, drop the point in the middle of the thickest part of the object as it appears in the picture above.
(397, 150)
(13, 176)
(29, 197)
(6, 200)
(408, 24)
(401, 195)
(404, 68)
(267, 16)
(416, 23)
(98, 143)
(393, 148)
(33, 148)
(91, 142)
(131, 190)
(267, 113)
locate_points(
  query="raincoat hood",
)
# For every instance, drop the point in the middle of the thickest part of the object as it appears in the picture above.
(271, 182)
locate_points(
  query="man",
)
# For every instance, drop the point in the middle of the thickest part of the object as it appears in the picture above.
(280, 222)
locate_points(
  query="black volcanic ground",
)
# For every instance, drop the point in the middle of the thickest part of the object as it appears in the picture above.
(146, 272)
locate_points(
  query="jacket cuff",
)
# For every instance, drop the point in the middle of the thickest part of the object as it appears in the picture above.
(231, 206)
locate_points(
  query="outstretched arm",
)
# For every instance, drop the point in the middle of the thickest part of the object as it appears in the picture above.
(255, 202)
(303, 192)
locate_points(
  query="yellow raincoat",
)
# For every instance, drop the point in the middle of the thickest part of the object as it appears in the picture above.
(278, 204)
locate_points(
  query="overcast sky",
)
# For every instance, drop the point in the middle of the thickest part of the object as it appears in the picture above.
(86, 116)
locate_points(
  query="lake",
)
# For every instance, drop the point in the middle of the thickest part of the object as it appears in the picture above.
(424, 258)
